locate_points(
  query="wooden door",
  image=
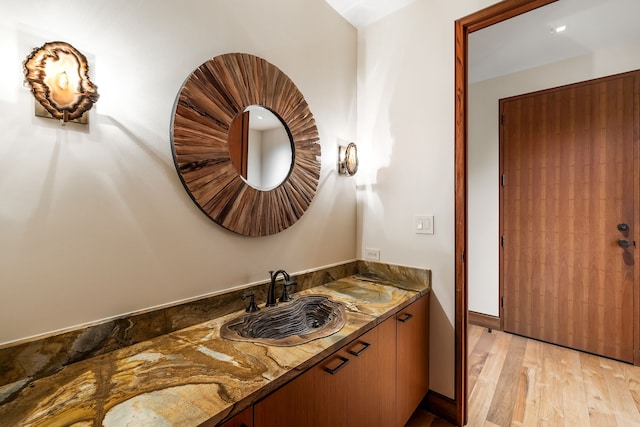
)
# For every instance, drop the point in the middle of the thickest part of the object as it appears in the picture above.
(568, 160)
(239, 143)
(371, 380)
(413, 358)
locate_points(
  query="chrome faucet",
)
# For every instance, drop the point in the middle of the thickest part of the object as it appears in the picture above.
(271, 294)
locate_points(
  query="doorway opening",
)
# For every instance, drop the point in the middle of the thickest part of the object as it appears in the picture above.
(456, 409)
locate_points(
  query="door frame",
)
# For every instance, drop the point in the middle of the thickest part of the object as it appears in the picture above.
(463, 27)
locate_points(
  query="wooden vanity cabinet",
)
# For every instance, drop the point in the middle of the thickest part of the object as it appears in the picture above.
(243, 419)
(371, 385)
(354, 387)
(413, 358)
(317, 398)
(377, 380)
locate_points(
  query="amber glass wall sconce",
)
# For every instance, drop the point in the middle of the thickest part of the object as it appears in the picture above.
(348, 159)
(58, 75)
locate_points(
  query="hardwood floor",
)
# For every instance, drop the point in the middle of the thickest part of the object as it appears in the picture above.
(515, 381)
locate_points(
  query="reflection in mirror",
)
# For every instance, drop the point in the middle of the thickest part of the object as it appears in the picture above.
(260, 148)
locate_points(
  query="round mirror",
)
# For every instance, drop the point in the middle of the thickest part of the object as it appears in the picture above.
(260, 148)
(206, 110)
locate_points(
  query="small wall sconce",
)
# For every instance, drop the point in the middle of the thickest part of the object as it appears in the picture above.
(58, 75)
(348, 159)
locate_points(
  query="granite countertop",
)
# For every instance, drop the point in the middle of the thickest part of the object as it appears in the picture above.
(193, 376)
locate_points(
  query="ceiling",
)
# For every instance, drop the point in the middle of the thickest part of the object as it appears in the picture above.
(527, 40)
(361, 13)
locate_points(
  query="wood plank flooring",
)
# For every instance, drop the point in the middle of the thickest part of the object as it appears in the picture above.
(515, 381)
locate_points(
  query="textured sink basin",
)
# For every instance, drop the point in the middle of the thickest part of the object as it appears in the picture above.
(304, 319)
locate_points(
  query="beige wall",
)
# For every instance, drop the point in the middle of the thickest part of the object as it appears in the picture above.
(94, 221)
(484, 155)
(406, 136)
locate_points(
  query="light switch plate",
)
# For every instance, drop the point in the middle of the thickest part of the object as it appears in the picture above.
(423, 224)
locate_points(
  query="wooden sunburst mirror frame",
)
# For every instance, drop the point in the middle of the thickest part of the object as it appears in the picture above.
(213, 95)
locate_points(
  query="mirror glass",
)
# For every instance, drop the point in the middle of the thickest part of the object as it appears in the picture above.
(260, 148)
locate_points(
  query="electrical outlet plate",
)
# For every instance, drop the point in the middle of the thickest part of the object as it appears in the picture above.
(372, 254)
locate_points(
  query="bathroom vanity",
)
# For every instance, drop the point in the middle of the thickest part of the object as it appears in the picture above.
(371, 372)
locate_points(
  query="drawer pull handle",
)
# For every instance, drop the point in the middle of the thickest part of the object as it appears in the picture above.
(337, 368)
(405, 317)
(365, 345)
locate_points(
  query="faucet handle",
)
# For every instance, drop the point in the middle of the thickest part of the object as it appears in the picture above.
(252, 302)
(285, 297)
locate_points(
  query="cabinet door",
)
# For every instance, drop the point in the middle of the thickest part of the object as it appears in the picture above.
(372, 377)
(413, 358)
(317, 398)
(243, 419)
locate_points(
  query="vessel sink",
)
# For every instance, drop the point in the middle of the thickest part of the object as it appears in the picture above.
(305, 318)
